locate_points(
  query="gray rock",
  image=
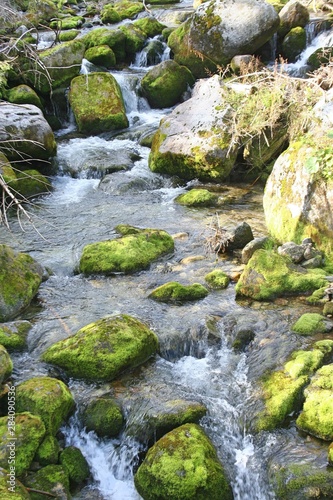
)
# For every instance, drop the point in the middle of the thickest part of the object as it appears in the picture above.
(251, 247)
(293, 251)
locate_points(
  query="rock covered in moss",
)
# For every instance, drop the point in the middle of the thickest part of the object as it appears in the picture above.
(48, 451)
(115, 39)
(134, 251)
(292, 15)
(52, 479)
(128, 9)
(269, 275)
(31, 183)
(175, 292)
(197, 198)
(294, 43)
(23, 94)
(20, 277)
(68, 35)
(75, 465)
(165, 83)
(12, 490)
(6, 365)
(183, 464)
(13, 334)
(102, 350)
(217, 279)
(109, 15)
(97, 103)
(134, 39)
(29, 432)
(67, 23)
(316, 417)
(330, 454)
(48, 398)
(103, 416)
(150, 26)
(311, 323)
(101, 55)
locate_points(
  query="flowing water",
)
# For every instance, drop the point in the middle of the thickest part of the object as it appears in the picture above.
(91, 195)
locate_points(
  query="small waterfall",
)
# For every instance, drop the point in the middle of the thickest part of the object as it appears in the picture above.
(154, 52)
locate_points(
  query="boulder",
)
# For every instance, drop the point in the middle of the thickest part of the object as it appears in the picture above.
(104, 349)
(183, 464)
(101, 55)
(177, 293)
(114, 38)
(165, 84)
(293, 44)
(103, 416)
(197, 198)
(75, 465)
(52, 479)
(312, 323)
(217, 279)
(220, 29)
(316, 417)
(150, 26)
(269, 275)
(29, 432)
(30, 183)
(134, 39)
(25, 133)
(14, 489)
(20, 277)
(13, 335)
(48, 451)
(23, 94)
(134, 251)
(252, 246)
(97, 103)
(48, 398)
(6, 365)
(294, 14)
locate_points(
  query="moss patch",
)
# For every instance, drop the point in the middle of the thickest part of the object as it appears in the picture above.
(75, 465)
(197, 198)
(6, 365)
(175, 292)
(48, 451)
(19, 493)
(103, 416)
(52, 479)
(13, 335)
(217, 279)
(309, 323)
(299, 481)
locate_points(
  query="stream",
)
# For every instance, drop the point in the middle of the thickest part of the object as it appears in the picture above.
(196, 361)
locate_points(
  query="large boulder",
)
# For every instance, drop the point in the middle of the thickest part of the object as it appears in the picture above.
(25, 133)
(48, 398)
(97, 103)
(165, 84)
(102, 350)
(20, 277)
(134, 251)
(294, 14)
(52, 480)
(220, 29)
(183, 464)
(114, 38)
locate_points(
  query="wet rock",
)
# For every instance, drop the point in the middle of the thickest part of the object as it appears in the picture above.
(20, 279)
(103, 416)
(134, 251)
(48, 398)
(101, 56)
(182, 464)
(19, 492)
(175, 292)
(48, 451)
(6, 365)
(240, 236)
(217, 279)
(316, 417)
(102, 350)
(311, 323)
(197, 198)
(29, 433)
(75, 465)
(294, 14)
(293, 251)
(52, 479)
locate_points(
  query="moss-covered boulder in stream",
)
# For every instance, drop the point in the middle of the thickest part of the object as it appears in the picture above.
(48, 451)
(103, 416)
(97, 103)
(101, 55)
(102, 350)
(23, 94)
(13, 334)
(30, 183)
(165, 84)
(150, 26)
(217, 279)
(134, 40)
(294, 43)
(28, 432)
(316, 417)
(75, 465)
(311, 323)
(197, 198)
(6, 365)
(177, 293)
(52, 479)
(114, 38)
(183, 464)
(134, 251)
(20, 277)
(269, 275)
(46, 397)
(12, 490)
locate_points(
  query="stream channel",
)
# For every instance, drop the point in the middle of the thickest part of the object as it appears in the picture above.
(196, 361)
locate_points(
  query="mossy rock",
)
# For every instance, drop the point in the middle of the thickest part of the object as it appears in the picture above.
(134, 39)
(317, 296)
(109, 14)
(101, 55)
(311, 323)
(7, 171)
(23, 94)
(127, 9)
(150, 26)
(102, 350)
(294, 43)
(20, 277)
(165, 83)
(328, 309)
(67, 36)
(48, 451)
(316, 417)
(217, 279)
(282, 390)
(52, 479)
(75, 465)
(115, 39)
(302, 481)
(320, 57)
(103, 416)
(48, 398)
(6, 365)
(183, 464)
(67, 23)
(97, 103)
(13, 335)
(32, 183)
(269, 275)
(14, 490)
(330, 454)
(175, 292)
(197, 198)
(132, 252)
(29, 432)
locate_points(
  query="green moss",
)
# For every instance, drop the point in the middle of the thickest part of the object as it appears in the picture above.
(46, 397)
(303, 481)
(177, 293)
(317, 296)
(109, 14)
(32, 183)
(197, 198)
(75, 465)
(13, 335)
(102, 350)
(150, 26)
(28, 433)
(320, 57)
(6, 365)
(330, 454)
(103, 416)
(131, 253)
(134, 39)
(309, 323)
(67, 23)
(48, 451)
(115, 39)
(67, 36)
(127, 9)
(294, 43)
(18, 492)
(182, 465)
(217, 279)
(23, 94)
(101, 56)
(52, 479)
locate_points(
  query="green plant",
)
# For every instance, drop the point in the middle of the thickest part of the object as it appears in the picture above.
(321, 162)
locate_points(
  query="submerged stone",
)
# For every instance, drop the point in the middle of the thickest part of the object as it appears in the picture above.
(104, 349)
(134, 251)
(176, 292)
(183, 464)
